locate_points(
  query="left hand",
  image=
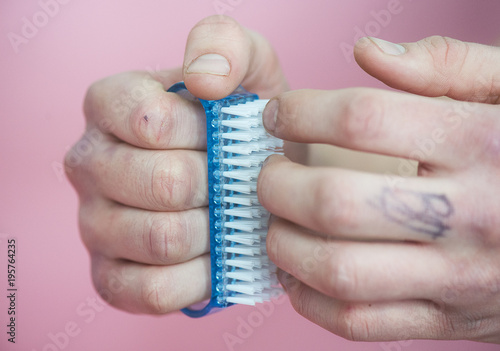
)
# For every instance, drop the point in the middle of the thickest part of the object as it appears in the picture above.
(379, 257)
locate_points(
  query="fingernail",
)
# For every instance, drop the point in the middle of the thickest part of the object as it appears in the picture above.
(388, 47)
(210, 64)
(270, 114)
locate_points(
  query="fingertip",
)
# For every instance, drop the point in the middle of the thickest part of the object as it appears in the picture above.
(215, 64)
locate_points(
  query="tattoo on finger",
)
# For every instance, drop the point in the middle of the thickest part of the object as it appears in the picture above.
(418, 211)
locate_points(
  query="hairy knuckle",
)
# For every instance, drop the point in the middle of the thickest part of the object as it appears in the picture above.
(363, 116)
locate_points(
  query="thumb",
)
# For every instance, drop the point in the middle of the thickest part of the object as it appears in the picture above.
(221, 54)
(434, 66)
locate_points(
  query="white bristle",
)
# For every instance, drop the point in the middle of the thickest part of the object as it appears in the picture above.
(244, 225)
(248, 276)
(244, 250)
(246, 288)
(246, 161)
(241, 187)
(247, 148)
(247, 200)
(248, 109)
(245, 211)
(242, 123)
(243, 174)
(245, 239)
(250, 135)
(247, 262)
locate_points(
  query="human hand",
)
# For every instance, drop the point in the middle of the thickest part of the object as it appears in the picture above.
(378, 257)
(140, 169)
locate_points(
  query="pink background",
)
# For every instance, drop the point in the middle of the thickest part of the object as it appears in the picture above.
(42, 87)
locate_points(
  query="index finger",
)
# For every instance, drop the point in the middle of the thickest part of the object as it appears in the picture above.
(135, 108)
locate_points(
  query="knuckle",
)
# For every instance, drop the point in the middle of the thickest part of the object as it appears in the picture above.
(152, 120)
(363, 116)
(167, 241)
(448, 54)
(156, 294)
(171, 183)
(341, 276)
(353, 324)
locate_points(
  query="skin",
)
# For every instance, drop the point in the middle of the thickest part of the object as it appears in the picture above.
(368, 257)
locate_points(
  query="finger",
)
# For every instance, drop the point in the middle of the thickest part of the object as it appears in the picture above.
(434, 66)
(358, 271)
(171, 180)
(354, 205)
(151, 289)
(135, 108)
(381, 321)
(434, 131)
(158, 238)
(220, 55)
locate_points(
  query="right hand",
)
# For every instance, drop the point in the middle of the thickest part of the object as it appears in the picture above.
(140, 169)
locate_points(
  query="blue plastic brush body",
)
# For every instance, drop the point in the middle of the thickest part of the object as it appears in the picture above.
(223, 174)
